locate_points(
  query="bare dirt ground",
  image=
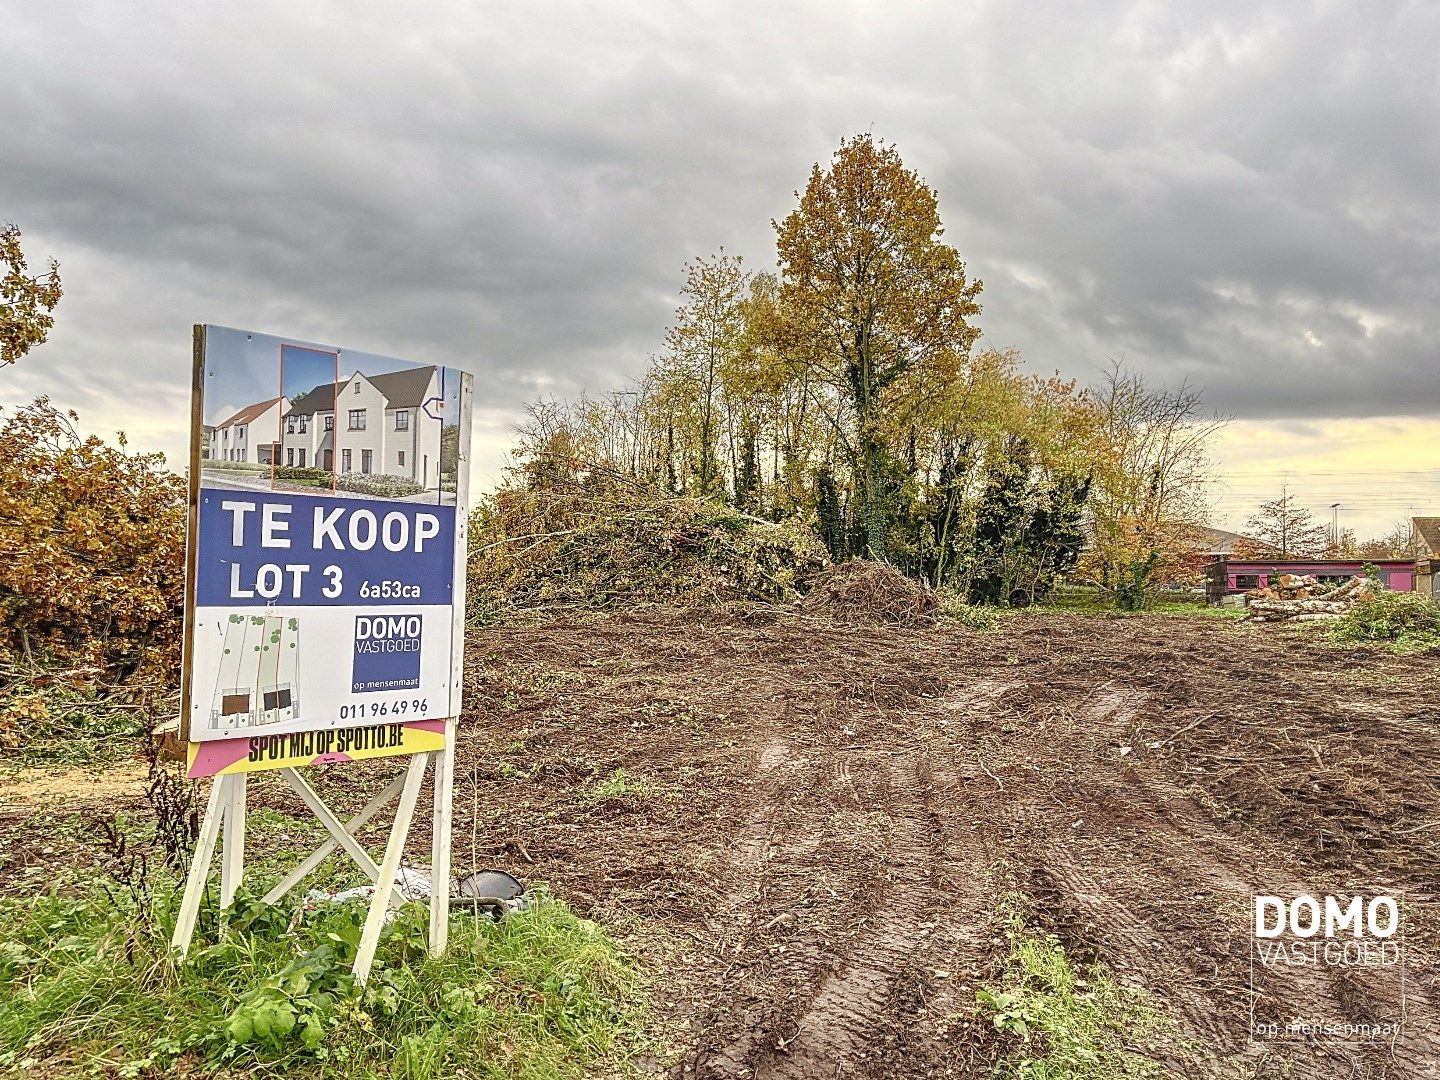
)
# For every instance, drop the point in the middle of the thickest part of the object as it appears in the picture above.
(816, 830)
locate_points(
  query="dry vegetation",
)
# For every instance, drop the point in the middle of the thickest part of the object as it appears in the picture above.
(865, 592)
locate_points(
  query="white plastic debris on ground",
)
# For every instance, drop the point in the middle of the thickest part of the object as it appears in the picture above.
(409, 885)
(492, 890)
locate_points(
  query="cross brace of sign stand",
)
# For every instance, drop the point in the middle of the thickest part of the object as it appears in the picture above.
(225, 823)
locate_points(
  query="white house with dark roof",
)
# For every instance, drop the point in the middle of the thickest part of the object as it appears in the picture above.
(1425, 541)
(249, 435)
(368, 424)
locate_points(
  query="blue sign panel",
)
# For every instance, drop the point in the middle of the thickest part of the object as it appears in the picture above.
(387, 652)
(266, 549)
(327, 560)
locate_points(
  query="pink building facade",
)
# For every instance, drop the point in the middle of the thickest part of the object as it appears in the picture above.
(1230, 576)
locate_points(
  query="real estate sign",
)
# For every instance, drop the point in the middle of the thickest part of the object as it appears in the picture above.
(326, 571)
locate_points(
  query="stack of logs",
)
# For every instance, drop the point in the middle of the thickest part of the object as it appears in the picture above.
(1302, 598)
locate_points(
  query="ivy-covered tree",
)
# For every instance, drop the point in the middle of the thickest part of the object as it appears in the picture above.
(829, 513)
(870, 302)
(999, 525)
(843, 393)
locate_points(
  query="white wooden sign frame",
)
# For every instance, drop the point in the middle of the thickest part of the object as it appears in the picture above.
(225, 824)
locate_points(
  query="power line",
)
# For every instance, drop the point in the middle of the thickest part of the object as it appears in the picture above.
(1337, 472)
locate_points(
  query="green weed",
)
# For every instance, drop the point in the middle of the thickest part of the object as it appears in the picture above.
(617, 785)
(1404, 622)
(1064, 1024)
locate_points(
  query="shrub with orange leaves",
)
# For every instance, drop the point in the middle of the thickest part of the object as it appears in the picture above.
(92, 548)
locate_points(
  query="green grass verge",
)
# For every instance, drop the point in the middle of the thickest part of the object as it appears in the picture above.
(88, 987)
(1087, 600)
(1065, 1024)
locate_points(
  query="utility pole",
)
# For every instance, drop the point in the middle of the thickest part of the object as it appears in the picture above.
(1335, 528)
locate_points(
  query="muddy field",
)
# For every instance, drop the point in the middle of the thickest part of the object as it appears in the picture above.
(815, 832)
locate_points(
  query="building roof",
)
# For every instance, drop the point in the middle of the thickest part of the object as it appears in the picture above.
(1429, 530)
(402, 389)
(1355, 563)
(249, 413)
(320, 399)
(1219, 541)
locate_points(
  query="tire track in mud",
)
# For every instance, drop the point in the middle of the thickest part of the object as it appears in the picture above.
(870, 900)
(1176, 914)
(856, 802)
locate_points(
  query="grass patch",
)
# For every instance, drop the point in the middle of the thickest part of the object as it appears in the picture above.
(88, 987)
(378, 484)
(221, 465)
(618, 785)
(1065, 1024)
(1089, 600)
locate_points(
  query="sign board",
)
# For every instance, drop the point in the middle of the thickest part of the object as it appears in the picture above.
(326, 554)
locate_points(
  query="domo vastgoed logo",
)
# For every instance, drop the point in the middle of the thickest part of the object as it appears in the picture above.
(387, 653)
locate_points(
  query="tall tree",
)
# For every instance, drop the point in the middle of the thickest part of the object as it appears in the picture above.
(1283, 529)
(26, 299)
(870, 298)
(705, 341)
(1149, 501)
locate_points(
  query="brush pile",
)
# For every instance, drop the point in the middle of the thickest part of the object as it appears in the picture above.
(587, 537)
(859, 591)
(1304, 598)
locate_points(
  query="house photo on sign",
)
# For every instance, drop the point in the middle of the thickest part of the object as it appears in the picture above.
(326, 541)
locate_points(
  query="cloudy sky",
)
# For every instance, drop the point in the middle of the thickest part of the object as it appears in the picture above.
(1243, 195)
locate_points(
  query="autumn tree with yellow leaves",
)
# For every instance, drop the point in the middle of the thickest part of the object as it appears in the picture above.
(26, 299)
(702, 350)
(1149, 505)
(844, 390)
(873, 305)
(92, 541)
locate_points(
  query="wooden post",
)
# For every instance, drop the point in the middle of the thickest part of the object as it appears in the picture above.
(440, 827)
(225, 818)
(232, 853)
(440, 843)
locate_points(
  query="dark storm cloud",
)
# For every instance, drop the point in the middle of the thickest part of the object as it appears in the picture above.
(1240, 196)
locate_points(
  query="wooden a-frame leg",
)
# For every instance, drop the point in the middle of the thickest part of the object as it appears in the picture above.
(332, 824)
(199, 867)
(389, 865)
(323, 852)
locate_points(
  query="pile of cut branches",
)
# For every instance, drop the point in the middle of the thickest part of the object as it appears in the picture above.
(569, 533)
(871, 592)
(1302, 598)
(71, 713)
